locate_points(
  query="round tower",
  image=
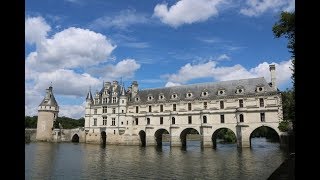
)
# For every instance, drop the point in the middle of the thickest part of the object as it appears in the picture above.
(47, 113)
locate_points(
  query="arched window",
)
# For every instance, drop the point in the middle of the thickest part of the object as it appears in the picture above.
(148, 120)
(204, 119)
(173, 120)
(241, 118)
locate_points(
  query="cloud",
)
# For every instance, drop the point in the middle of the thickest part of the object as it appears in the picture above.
(122, 21)
(258, 7)
(223, 57)
(187, 11)
(72, 111)
(170, 84)
(211, 70)
(140, 45)
(36, 30)
(125, 69)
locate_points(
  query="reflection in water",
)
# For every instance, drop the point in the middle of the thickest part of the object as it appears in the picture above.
(89, 161)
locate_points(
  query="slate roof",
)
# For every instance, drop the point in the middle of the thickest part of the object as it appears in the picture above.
(248, 86)
(49, 99)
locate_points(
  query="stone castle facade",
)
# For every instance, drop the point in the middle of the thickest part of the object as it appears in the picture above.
(115, 115)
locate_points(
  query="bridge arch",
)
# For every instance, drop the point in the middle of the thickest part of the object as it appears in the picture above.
(231, 135)
(158, 135)
(103, 137)
(75, 138)
(265, 131)
(142, 135)
(183, 135)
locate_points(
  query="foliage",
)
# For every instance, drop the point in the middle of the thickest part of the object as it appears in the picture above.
(227, 135)
(283, 126)
(266, 132)
(67, 123)
(30, 122)
(286, 27)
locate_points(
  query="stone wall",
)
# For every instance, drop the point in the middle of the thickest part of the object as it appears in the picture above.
(30, 135)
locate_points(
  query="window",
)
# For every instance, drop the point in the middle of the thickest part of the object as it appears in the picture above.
(221, 92)
(262, 117)
(204, 93)
(204, 119)
(189, 95)
(114, 131)
(114, 99)
(113, 122)
(174, 107)
(122, 111)
(104, 100)
(96, 101)
(113, 110)
(241, 118)
(161, 108)
(121, 122)
(174, 96)
(104, 122)
(137, 121)
(122, 101)
(95, 111)
(148, 120)
(94, 122)
(221, 105)
(205, 105)
(127, 122)
(241, 103)
(189, 119)
(150, 98)
(173, 120)
(161, 120)
(161, 97)
(104, 110)
(189, 106)
(150, 108)
(222, 118)
(137, 109)
(261, 102)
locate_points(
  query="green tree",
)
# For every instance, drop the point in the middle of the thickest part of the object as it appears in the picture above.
(285, 27)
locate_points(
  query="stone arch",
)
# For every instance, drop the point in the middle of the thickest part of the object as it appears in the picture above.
(75, 138)
(158, 135)
(215, 135)
(272, 133)
(183, 135)
(103, 138)
(142, 135)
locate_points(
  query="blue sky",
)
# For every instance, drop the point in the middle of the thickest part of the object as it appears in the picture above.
(77, 44)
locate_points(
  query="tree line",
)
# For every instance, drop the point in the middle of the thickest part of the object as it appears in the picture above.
(66, 122)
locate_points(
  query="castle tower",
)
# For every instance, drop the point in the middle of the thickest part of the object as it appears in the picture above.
(272, 69)
(47, 113)
(89, 102)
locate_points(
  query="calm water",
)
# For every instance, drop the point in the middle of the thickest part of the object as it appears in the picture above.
(87, 161)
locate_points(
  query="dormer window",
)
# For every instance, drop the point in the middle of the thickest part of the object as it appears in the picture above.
(189, 95)
(239, 90)
(260, 88)
(150, 98)
(174, 96)
(161, 97)
(221, 92)
(204, 93)
(137, 99)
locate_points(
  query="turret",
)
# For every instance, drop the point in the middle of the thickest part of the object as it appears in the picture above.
(89, 99)
(47, 113)
(272, 68)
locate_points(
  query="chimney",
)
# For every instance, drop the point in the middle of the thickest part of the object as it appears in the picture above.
(272, 68)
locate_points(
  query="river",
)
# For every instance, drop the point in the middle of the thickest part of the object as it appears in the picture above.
(90, 161)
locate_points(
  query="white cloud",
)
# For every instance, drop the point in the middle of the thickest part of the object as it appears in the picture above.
(170, 84)
(70, 48)
(122, 21)
(140, 45)
(36, 30)
(223, 57)
(187, 11)
(72, 111)
(125, 69)
(258, 7)
(210, 69)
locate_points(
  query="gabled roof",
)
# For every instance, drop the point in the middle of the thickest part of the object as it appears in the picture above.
(230, 87)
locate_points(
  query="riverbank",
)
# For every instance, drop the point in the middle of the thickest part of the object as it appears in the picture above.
(286, 170)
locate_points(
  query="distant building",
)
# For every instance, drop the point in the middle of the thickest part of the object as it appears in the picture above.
(115, 115)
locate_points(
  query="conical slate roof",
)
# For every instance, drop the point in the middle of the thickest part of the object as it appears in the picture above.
(49, 99)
